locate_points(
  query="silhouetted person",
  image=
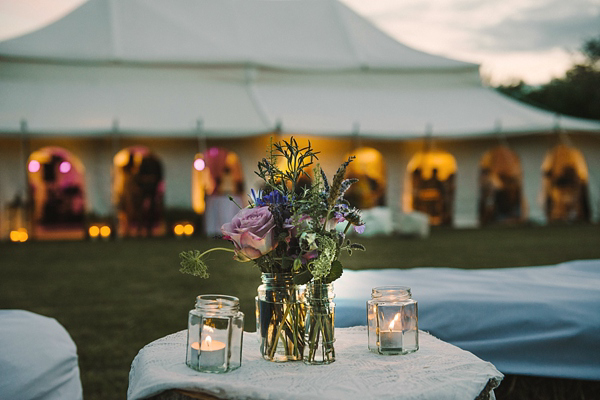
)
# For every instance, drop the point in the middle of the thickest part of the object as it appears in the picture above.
(147, 178)
(430, 197)
(131, 198)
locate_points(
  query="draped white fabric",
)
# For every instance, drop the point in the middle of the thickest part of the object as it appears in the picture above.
(436, 371)
(540, 321)
(38, 359)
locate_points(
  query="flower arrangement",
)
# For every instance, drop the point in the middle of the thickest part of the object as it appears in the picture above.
(289, 227)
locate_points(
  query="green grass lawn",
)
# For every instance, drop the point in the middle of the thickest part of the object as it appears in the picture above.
(115, 297)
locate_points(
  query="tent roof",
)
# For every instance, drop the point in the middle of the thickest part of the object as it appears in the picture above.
(391, 107)
(236, 102)
(289, 34)
(243, 67)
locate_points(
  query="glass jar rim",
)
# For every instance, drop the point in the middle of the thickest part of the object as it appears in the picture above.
(391, 291)
(217, 302)
(276, 277)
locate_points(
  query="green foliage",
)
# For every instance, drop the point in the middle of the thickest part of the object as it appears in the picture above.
(297, 159)
(339, 185)
(336, 271)
(577, 94)
(591, 49)
(302, 277)
(191, 263)
(302, 223)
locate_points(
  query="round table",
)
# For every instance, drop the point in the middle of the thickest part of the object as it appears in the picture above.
(438, 370)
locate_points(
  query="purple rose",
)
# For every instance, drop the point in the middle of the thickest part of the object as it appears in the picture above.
(252, 232)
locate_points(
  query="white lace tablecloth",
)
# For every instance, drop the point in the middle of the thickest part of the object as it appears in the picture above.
(438, 370)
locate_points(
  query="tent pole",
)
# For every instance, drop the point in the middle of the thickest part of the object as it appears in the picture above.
(500, 134)
(563, 137)
(23, 191)
(115, 144)
(357, 143)
(24, 150)
(428, 145)
(277, 132)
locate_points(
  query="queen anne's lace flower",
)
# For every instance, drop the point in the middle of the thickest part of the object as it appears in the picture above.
(321, 266)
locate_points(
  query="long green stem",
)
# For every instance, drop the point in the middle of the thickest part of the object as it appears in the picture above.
(217, 248)
(314, 343)
(279, 328)
(234, 202)
(295, 330)
(348, 225)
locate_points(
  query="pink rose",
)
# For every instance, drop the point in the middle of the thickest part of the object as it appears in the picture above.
(252, 232)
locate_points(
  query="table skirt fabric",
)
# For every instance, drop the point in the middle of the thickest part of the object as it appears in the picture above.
(542, 321)
(437, 371)
(38, 358)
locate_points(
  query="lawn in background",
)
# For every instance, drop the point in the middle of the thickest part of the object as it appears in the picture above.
(115, 297)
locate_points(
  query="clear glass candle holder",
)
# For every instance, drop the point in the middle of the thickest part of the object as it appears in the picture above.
(215, 331)
(392, 319)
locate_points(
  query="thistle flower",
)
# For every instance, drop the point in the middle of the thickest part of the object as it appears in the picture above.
(338, 187)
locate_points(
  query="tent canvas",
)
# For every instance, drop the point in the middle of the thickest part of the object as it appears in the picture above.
(165, 75)
(202, 59)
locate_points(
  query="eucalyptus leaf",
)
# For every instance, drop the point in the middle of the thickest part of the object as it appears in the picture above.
(336, 271)
(302, 278)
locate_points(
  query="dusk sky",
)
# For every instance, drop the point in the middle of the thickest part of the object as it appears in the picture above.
(532, 40)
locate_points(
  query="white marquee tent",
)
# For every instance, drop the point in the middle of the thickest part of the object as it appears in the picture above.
(164, 74)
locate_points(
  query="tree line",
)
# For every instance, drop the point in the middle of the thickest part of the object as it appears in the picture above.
(576, 94)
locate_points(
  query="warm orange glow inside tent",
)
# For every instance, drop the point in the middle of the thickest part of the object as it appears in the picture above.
(57, 190)
(138, 192)
(369, 169)
(566, 185)
(217, 172)
(220, 178)
(201, 183)
(500, 186)
(429, 185)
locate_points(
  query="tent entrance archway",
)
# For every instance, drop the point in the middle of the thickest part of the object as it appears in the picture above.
(217, 175)
(57, 191)
(566, 185)
(369, 168)
(430, 185)
(500, 186)
(138, 192)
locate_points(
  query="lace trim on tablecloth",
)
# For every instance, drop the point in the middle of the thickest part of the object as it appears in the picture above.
(437, 370)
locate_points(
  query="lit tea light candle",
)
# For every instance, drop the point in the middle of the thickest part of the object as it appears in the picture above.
(195, 354)
(391, 339)
(215, 333)
(210, 354)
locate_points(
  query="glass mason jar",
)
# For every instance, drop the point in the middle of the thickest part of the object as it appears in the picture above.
(215, 330)
(392, 319)
(320, 318)
(280, 317)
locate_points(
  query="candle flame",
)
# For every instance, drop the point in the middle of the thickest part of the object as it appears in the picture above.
(208, 341)
(396, 318)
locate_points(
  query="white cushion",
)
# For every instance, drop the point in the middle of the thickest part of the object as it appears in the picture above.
(38, 358)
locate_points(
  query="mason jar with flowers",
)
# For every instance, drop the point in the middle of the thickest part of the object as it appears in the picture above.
(294, 234)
